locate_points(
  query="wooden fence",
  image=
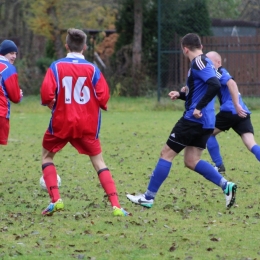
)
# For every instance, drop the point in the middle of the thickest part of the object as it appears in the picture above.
(240, 56)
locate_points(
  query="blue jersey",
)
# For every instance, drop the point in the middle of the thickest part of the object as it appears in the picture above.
(225, 99)
(201, 70)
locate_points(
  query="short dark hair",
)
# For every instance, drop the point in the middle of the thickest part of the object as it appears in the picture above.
(76, 39)
(191, 41)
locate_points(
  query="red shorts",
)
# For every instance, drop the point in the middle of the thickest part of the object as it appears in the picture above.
(4, 130)
(84, 145)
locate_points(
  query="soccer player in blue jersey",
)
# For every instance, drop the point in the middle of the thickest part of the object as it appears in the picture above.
(233, 114)
(192, 130)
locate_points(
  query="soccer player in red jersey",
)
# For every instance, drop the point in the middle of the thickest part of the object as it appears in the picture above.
(9, 86)
(76, 91)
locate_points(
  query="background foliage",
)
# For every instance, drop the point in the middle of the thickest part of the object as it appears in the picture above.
(35, 25)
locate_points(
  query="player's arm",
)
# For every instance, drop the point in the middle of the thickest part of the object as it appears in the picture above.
(48, 88)
(183, 93)
(177, 95)
(13, 90)
(212, 90)
(102, 91)
(233, 90)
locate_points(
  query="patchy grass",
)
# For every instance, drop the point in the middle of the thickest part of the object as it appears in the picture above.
(187, 221)
(124, 104)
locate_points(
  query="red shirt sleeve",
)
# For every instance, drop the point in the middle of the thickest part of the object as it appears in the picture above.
(48, 88)
(102, 92)
(13, 89)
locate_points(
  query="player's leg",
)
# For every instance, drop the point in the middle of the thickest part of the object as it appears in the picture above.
(250, 143)
(192, 155)
(176, 142)
(214, 151)
(51, 145)
(245, 130)
(92, 148)
(106, 179)
(50, 174)
(249, 140)
(223, 123)
(159, 174)
(192, 160)
(161, 171)
(108, 184)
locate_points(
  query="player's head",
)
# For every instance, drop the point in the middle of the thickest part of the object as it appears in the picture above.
(215, 58)
(192, 42)
(8, 49)
(76, 40)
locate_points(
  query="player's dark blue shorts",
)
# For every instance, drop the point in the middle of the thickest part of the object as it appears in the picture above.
(227, 120)
(188, 133)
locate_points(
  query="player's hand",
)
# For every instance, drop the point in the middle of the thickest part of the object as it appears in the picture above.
(240, 111)
(197, 113)
(51, 104)
(174, 95)
(183, 89)
(21, 93)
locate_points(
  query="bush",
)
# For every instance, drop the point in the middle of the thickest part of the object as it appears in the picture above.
(127, 86)
(44, 63)
(29, 76)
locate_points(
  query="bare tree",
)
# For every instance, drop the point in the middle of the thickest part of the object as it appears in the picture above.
(137, 46)
(55, 31)
(137, 42)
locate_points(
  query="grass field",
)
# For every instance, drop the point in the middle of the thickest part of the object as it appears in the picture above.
(187, 221)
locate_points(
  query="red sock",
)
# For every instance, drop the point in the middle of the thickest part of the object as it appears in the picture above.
(50, 178)
(108, 185)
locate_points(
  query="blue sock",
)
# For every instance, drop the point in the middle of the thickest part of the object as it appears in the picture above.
(214, 151)
(223, 183)
(207, 171)
(160, 173)
(256, 151)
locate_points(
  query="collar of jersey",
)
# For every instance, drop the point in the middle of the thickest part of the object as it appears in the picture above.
(75, 55)
(3, 58)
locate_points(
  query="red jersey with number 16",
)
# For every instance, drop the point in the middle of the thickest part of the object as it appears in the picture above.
(80, 90)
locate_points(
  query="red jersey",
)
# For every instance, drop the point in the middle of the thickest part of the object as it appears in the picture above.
(80, 90)
(9, 87)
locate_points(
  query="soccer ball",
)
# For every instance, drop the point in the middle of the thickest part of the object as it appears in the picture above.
(43, 185)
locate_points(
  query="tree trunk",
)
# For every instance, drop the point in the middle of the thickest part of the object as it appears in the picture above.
(56, 32)
(137, 43)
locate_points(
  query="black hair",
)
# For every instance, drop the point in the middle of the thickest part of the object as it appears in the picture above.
(191, 41)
